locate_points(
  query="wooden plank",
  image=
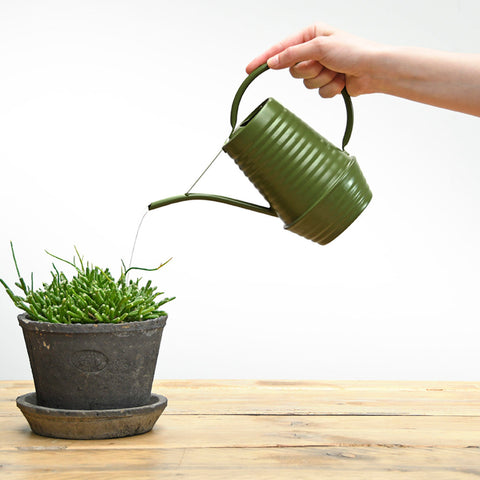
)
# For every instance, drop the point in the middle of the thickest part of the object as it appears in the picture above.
(378, 463)
(216, 431)
(335, 385)
(300, 398)
(357, 385)
(248, 429)
(318, 398)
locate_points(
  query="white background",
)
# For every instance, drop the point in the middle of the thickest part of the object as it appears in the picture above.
(106, 106)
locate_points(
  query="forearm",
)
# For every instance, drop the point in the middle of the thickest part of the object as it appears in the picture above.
(443, 79)
(328, 59)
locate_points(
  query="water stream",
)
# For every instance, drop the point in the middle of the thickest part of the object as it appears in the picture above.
(135, 241)
(132, 253)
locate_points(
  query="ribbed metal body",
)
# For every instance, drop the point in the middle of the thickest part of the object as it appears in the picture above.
(315, 188)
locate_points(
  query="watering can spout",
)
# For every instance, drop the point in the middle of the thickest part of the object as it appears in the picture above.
(213, 198)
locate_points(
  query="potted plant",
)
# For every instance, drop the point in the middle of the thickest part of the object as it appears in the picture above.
(93, 343)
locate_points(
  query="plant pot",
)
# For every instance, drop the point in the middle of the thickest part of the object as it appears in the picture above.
(91, 424)
(92, 366)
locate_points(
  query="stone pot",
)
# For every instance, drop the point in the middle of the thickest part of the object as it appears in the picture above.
(92, 366)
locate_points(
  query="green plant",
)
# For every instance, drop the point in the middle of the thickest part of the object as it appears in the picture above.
(91, 296)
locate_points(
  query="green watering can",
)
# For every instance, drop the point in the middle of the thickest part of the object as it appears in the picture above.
(315, 188)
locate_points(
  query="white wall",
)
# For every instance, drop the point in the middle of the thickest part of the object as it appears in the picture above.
(106, 106)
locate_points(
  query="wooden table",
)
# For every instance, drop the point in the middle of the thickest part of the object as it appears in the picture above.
(268, 430)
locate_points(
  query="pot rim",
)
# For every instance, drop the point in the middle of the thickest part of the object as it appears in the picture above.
(34, 325)
(28, 403)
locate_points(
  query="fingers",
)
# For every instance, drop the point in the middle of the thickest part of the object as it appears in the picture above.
(277, 48)
(313, 73)
(307, 69)
(303, 36)
(316, 76)
(334, 87)
(322, 79)
(305, 53)
(311, 50)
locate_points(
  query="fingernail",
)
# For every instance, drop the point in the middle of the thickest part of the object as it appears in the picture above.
(273, 62)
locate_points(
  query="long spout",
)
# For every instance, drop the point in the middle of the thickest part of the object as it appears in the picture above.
(213, 198)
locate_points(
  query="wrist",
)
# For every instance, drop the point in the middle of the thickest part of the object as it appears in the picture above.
(377, 69)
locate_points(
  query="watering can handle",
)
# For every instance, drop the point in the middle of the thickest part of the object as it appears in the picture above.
(262, 68)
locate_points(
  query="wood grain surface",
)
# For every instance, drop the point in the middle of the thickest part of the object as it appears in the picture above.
(268, 429)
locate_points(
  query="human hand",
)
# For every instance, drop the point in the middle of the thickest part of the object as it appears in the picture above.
(325, 58)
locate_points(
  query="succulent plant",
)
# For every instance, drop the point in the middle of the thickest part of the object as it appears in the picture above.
(92, 295)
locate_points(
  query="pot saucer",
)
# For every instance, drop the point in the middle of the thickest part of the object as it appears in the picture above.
(90, 424)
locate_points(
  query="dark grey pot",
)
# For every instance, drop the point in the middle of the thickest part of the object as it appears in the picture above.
(92, 366)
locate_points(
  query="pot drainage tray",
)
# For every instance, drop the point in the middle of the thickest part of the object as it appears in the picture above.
(90, 424)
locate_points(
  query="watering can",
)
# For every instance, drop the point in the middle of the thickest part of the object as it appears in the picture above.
(314, 187)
